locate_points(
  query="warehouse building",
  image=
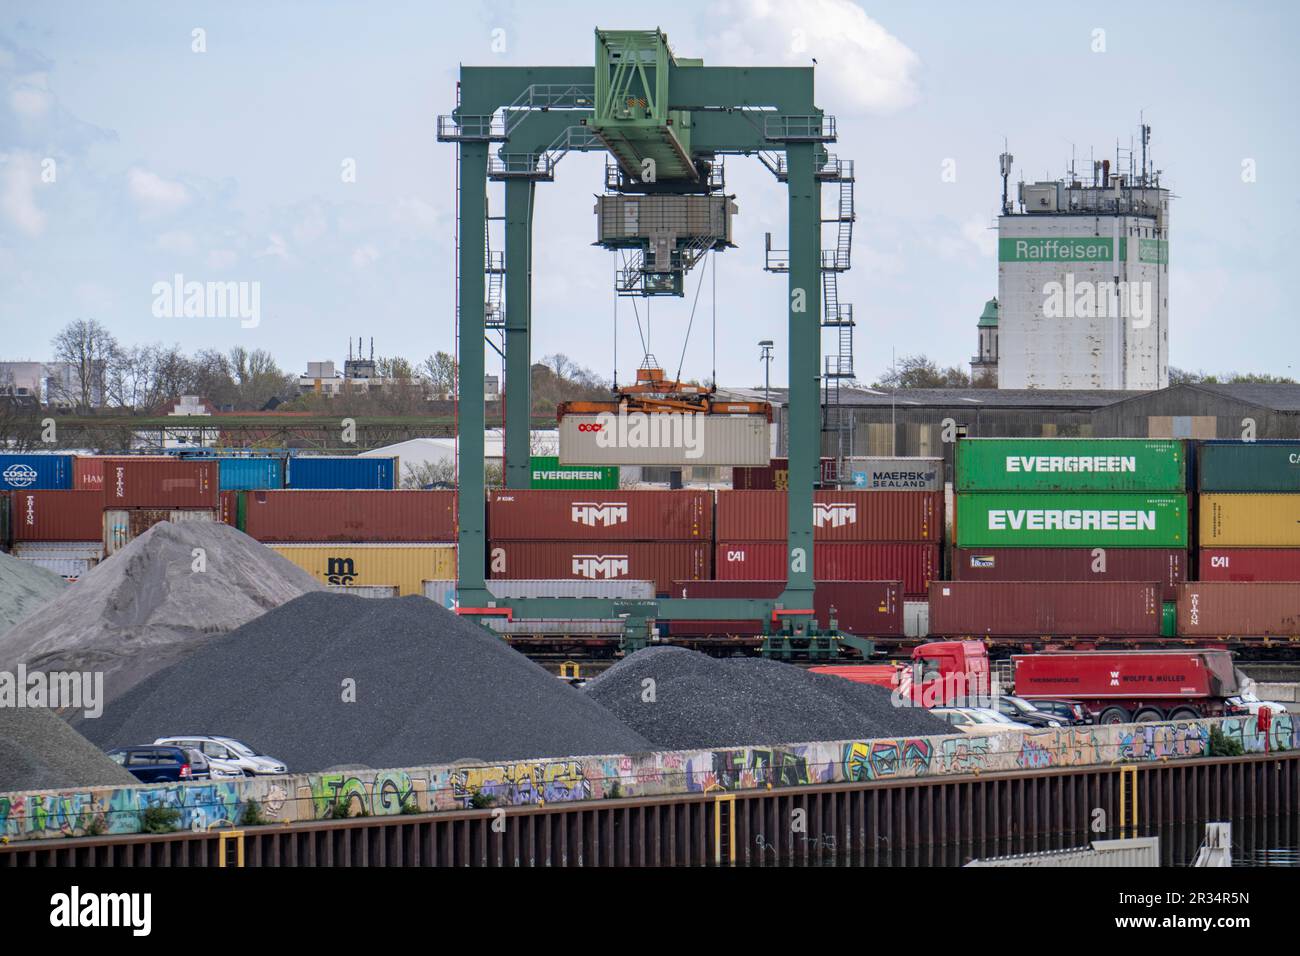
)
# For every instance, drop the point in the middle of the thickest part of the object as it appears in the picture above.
(926, 421)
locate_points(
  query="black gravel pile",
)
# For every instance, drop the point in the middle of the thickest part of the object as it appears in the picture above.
(698, 701)
(430, 688)
(39, 751)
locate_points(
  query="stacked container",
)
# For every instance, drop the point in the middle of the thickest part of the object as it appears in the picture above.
(871, 609)
(860, 535)
(250, 473)
(78, 509)
(59, 530)
(659, 536)
(341, 471)
(1248, 524)
(139, 492)
(374, 540)
(775, 475)
(35, 471)
(1090, 510)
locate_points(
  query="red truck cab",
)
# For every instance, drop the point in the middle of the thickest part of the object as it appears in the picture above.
(939, 673)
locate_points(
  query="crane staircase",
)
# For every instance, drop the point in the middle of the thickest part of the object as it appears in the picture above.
(837, 370)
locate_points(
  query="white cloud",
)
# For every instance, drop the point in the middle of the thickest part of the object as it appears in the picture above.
(176, 241)
(222, 258)
(30, 100)
(311, 226)
(423, 217)
(19, 179)
(277, 248)
(154, 194)
(981, 234)
(860, 64)
(364, 256)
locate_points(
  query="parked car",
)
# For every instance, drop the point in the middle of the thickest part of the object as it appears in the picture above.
(978, 720)
(154, 764)
(1248, 702)
(200, 768)
(229, 756)
(1024, 712)
(1067, 711)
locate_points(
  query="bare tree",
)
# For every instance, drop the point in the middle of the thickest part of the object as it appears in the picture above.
(88, 350)
(920, 371)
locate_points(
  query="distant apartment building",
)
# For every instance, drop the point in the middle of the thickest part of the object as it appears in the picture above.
(56, 384)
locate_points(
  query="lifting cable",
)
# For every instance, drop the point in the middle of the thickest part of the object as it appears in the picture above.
(645, 347)
(686, 341)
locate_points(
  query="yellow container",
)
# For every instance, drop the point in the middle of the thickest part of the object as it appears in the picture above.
(404, 566)
(1250, 521)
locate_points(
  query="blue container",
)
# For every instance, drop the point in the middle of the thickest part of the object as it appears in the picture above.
(322, 471)
(251, 474)
(35, 471)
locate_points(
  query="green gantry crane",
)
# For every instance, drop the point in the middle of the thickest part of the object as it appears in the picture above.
(666, 121)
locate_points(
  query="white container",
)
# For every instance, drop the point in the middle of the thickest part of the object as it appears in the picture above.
(71, 560)
(916, 619)
(621, 589)
(364, 590)
(893, 474)
(665, 439)
(588, 627)
(441, 592)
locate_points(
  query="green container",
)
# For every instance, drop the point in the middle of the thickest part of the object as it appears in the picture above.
(1169, 619)
(1071, 464)
(1249, 466)
(1092, 520)
(241, 510)
(547, 472)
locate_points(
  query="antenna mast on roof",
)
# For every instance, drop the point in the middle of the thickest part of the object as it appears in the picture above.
(1004, 164)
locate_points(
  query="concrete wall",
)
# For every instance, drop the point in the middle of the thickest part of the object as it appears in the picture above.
(301, 797)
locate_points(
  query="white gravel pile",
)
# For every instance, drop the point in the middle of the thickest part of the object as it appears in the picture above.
(23, 588)
(167, 593)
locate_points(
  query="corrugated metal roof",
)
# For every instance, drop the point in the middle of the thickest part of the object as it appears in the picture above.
(948, 397)
(1278, 397)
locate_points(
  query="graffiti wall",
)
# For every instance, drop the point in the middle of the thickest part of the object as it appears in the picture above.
(300, 797)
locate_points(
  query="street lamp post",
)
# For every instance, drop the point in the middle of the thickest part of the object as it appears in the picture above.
(766, 358)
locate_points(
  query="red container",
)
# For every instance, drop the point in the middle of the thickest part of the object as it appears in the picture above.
(864, 608)
(88, 470)
(229, 505)
(837, 515)
(1249, 564)
(543, 515)
(131, 482)
(1239, 609)
(353, 516)
(1166, 565)
(916, 565)
(775, 476)
(57, 515)
(1045, 609)
(662, 563)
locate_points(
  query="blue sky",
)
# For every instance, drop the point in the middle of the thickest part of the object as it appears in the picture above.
(226, 165)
